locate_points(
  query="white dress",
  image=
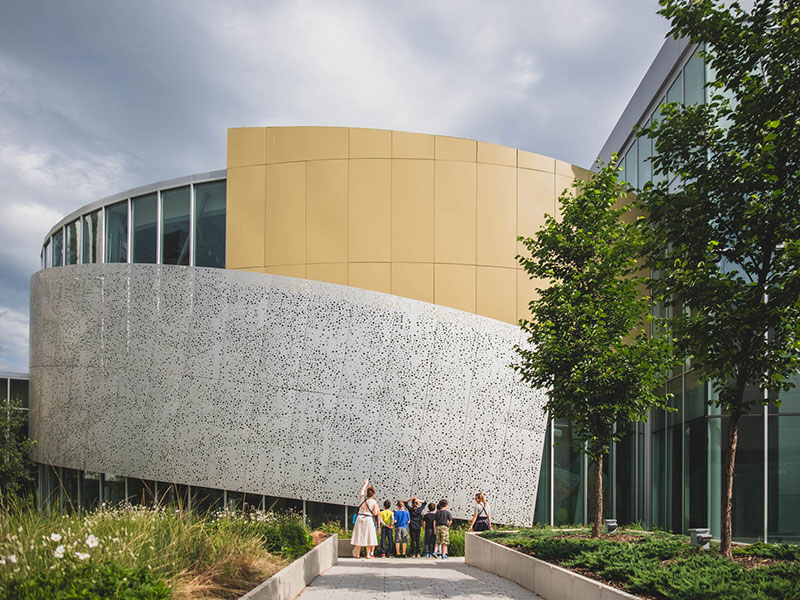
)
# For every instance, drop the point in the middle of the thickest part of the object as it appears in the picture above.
(364, 533)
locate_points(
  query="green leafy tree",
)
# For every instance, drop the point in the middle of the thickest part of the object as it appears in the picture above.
(724, 237)
(15, 467)
(588, 341)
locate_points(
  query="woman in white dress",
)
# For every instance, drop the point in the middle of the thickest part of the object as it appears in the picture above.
(364, 533)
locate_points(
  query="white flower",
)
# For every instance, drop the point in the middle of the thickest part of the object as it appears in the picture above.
(12, 558)
(81, 555)
(92, 541)
(55, 537)
(2, 561)
(59, 553)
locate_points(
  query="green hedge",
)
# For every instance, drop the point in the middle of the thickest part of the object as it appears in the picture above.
(665, 566)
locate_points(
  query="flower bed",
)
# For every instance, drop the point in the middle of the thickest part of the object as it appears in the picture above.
(659, 565)
(135, 552)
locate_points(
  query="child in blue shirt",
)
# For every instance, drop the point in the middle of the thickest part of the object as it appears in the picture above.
(401, 519)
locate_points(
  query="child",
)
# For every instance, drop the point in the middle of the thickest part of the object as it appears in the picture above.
(401, 518)
(415, 507)
(442, 527)
(430, 534)
(386, 521)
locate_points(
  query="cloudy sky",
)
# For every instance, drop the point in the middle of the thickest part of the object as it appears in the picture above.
(98, 97)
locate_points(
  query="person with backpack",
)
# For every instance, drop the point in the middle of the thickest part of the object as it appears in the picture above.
(365, 527)
(481, 516)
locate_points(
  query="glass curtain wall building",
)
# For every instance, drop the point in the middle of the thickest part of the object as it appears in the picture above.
(673, 479)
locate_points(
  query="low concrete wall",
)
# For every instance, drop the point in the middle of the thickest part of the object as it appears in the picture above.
(345, 548)
(290, 581)
(549, 581)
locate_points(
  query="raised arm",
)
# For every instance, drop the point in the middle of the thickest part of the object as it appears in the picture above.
(364, 487)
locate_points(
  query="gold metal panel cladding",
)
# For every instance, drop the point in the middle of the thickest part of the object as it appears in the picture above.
(454, 286)
(244, 225)
(286, 214)
(326, 221)
(370, 210)
(370, 143)
(453, 148)
(412, 145)
(535, 199)
(527, 291)
(413, 280)
(247, 146)
(497, 212)
(531, 160)
(328, 142)
(287, 270)
(370, 276)
(497, 290)
(497, 155)
(287, 144)
(329, 273)
(454, 237)
(412, 210)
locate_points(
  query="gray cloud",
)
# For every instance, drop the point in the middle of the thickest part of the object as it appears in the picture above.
(98, 97)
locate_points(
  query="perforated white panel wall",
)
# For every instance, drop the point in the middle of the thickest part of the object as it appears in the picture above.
(279, 386)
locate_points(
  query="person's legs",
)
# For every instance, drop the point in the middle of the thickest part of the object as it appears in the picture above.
(414, 533)
(356, 551)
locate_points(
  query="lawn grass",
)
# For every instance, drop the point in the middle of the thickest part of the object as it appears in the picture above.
(661, 565)
(190, 556)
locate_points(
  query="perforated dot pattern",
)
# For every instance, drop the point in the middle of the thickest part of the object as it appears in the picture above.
(279, 386)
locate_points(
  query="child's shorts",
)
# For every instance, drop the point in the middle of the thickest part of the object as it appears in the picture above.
(442, 534)
(400, 535)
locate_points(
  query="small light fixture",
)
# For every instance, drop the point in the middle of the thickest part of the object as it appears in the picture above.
(610, 525)
(700, 537)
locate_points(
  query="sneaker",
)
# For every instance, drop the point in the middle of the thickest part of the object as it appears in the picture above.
(426, 555)
(445, 556)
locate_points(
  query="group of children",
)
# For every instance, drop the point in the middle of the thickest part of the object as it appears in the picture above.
(407, 521)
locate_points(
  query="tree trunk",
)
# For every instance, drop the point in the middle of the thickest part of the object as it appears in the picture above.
(729, 460)
(598, 498)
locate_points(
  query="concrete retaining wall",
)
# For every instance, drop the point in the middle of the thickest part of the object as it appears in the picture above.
(549, 581)
(290, 581)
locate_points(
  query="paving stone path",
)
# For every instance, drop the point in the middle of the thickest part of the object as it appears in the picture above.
(410, 579)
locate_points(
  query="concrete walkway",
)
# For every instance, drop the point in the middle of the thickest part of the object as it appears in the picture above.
(410, 578)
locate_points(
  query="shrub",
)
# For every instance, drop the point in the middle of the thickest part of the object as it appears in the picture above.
(86, 581)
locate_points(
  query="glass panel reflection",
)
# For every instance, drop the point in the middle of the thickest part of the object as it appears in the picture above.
(568, 486)
(694, 81)
(72, 244)
(784, 479)
(117, 233)
(175, 227)
(58, 248)
(48, 255)
(19, 391)
(144, 213)
(90, 238)
(209, 228)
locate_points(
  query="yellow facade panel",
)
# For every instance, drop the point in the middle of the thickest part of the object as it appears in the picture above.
(452, 148)
(563, 184)
(245, 232)
(247, 146)
(370, 276)
(535, 198)
(454, 212)
(252, 269)
(497, 293)
(287, 270)
(413, 280)
(496, 155)
(412, 210)
(370, 143)
(369, 223)
(329, 273)
(326, 206)
(496, 234)
(287, 144)
(454, 286)
(328, 142)
(286, 214)
(412, 145)
(531, 160)
(527, 290)
(571, 171)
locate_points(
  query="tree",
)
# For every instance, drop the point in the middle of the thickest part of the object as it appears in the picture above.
(724, 237)
(15, 468)
(588, 340)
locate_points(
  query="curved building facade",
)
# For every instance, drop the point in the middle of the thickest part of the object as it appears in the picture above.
(358, 319)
